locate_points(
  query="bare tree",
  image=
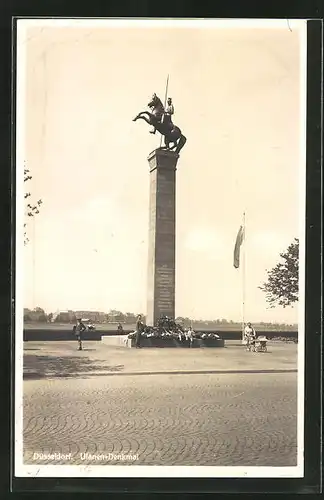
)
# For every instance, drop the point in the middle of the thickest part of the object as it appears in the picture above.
(31, 209)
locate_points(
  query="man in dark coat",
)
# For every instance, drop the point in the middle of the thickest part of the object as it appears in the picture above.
(79, 328)
(139, 329)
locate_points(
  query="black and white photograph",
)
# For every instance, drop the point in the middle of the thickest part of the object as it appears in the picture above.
(160, 247)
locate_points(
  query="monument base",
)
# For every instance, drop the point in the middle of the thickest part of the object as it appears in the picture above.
(171, 342)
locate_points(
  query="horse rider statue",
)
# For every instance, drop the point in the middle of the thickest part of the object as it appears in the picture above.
(166, 116)
(160, 119)
(169, 111)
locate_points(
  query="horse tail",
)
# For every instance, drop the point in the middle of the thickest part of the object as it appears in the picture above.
(181, 143)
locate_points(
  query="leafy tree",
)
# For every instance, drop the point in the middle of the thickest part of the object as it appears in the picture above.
(39, 310)
(281, 288)
(42, 318)
(31, 209)
(27, 318)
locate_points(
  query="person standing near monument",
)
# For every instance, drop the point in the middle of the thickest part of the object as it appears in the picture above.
(190, 336)
(139, 329)
(79, 328)
(249, 335)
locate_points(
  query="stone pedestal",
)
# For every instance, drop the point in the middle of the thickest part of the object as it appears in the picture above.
(161, 253)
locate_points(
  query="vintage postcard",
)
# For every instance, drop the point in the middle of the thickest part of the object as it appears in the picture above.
(160, 256)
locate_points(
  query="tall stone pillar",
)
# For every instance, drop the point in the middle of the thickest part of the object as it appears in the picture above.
(161, 253)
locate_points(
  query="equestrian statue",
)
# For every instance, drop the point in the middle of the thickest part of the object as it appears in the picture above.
(160, 119)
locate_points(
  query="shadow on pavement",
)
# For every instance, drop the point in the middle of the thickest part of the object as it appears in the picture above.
(39, 367)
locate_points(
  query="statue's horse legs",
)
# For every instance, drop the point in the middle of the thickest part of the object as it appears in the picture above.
(145, 115)
(148, 118)
(182, 141)
(173, 136)
(178, 144)
(167, 143)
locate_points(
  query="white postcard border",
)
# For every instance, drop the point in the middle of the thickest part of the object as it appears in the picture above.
(21, 470)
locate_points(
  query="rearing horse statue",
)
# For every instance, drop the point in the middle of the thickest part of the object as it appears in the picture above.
(172, 134)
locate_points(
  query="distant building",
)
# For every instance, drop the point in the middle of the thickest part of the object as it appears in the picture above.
(64, 316)
(94, 316)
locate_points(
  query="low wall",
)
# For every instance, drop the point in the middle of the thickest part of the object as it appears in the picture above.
(39, 334)
(237, 335)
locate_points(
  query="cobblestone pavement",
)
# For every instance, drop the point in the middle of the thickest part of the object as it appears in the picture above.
(200, 419)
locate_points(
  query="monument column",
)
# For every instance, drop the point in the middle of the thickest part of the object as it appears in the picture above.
(161, 252)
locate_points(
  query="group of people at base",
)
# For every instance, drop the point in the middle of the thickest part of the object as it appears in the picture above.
(166, 328)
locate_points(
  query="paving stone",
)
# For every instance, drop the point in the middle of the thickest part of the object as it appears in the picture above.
(200, 419)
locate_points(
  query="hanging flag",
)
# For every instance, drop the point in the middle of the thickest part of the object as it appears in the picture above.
(238, 243)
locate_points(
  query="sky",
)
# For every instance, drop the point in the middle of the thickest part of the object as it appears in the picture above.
(237, 96)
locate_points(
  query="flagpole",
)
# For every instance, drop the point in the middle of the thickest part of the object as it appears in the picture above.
(243, 278)
(165, 100)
